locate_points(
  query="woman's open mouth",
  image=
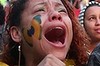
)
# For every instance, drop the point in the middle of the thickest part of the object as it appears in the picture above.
(56, 35)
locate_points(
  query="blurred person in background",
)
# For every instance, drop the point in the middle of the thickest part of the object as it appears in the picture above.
(90, 19)
(2, 20)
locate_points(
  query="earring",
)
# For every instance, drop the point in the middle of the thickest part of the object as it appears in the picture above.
(19, 49)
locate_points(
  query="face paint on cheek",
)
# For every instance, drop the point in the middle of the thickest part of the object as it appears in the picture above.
(27, 33)
(34, 32)
(37, 28)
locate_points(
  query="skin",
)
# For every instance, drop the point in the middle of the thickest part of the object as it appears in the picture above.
(41, 51)
(92, 24)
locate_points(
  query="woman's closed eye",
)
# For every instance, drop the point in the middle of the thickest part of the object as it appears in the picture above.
(62, 10)
(40, 10)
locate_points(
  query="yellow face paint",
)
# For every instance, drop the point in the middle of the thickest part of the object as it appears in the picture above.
(34, 32)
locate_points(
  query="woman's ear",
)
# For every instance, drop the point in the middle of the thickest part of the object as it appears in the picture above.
(15, 34)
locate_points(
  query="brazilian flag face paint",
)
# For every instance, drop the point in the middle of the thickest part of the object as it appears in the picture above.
(34, 31)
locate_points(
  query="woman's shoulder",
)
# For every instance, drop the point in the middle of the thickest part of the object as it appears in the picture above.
(3, 64)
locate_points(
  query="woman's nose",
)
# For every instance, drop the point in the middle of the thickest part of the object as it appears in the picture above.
(55, 16)
(97, 22)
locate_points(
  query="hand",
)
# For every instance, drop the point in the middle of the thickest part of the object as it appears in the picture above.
(51, 60)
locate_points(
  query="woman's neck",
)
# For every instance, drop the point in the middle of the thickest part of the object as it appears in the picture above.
(90, 48)
(93, 45)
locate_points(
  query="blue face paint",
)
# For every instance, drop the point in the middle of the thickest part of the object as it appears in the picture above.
(30, 32)
(38, 19)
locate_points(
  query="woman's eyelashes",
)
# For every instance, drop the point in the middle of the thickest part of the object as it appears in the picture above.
(92, 18)
(44, 10)
(62, 11)
(40, 10)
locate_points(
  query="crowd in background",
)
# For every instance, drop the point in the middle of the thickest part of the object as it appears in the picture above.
(78, 5)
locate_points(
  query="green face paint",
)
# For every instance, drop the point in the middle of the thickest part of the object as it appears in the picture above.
(34, 32)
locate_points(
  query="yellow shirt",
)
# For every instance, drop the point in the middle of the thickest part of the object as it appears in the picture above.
(3, 64)
(68, 62)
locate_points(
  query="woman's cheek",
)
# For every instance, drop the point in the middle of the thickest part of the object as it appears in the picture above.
(34, 32)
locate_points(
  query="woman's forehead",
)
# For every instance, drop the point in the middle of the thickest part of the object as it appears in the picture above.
(92, 8)
(44, 1)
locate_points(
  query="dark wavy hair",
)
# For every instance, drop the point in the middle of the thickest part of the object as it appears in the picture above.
(77, 50)
(10, 53)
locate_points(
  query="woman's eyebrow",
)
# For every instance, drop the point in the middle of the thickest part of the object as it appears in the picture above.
(45, 3)
(58, 4)
(41, 3)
